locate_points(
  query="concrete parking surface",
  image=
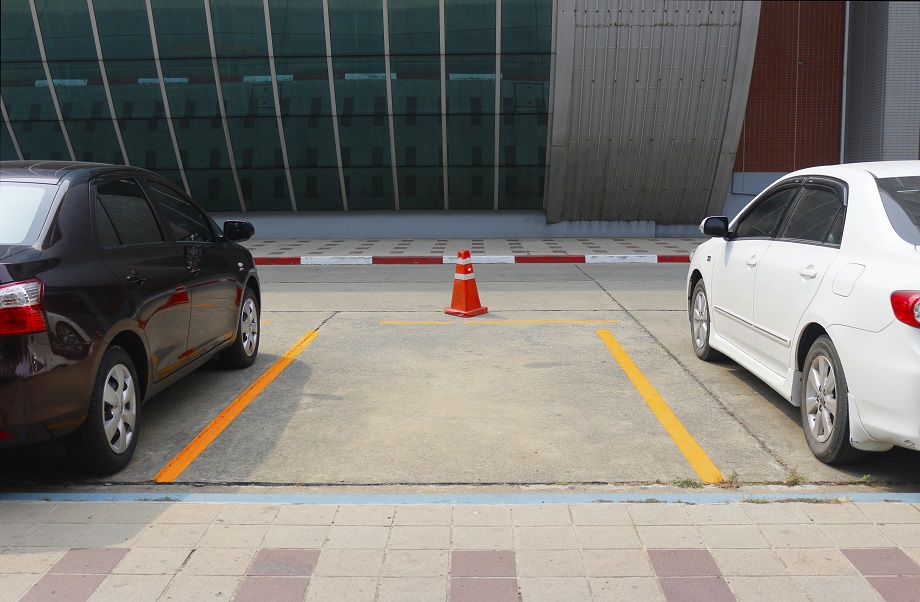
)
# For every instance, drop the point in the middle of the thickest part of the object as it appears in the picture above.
(554, 448)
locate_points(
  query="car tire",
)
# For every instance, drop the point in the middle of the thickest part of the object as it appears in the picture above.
(701, 324)
(825, 405)
(106, 440)
(242, 353)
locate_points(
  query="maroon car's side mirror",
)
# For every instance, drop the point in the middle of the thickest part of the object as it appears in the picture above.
(238, 231)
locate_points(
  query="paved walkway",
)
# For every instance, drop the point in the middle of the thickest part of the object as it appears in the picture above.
(164, 550)
(444, 250)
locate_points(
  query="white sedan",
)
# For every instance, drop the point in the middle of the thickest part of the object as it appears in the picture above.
(815, 288)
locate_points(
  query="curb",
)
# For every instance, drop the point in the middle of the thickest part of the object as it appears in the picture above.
(481, 259)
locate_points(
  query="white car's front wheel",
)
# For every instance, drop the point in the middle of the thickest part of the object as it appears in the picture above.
(825, 405)
(700, 324)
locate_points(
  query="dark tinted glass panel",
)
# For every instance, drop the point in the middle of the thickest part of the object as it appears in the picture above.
(255, 142)
(41, 140)
(124, 30)
(66, 30)
(764, 219)
(471, 140)
(26, 92)
(356, 27)
(79, 90)
(190, 88)
(359, 83)
(520, 188)
(239, 28)
(418, 144)
(365, 142)
(472, 187)
(264, 189)
(7, 148)
(138, 102)
(835, 234)
(527, 26)
(297, 28)
(310, 142)
(414, 27)
(469, 26)
(370, 188)
(128, 208)
(420, 188)
(416, 84)
(105, 230)
(95, 141)
(303, 86)
(17, 34)
(185, 221)
(182, 29)
(214, 189)
(813, 215)
(247, 87)
(317, 189)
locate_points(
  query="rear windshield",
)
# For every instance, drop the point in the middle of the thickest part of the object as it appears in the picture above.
(23, 210)
(901, 198)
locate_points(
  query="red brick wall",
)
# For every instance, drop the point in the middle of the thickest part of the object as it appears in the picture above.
(793, 119)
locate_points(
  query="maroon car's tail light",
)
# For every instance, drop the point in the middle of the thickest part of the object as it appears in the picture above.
(21, 310)
(906, 306)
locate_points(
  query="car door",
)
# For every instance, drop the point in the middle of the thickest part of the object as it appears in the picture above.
(152, 274)
(792, 269)
(214, 289)
(736, 264)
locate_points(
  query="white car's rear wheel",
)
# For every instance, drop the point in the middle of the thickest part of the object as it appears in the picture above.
(825, 405)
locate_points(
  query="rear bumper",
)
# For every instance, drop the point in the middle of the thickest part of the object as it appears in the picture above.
(883, 376)
(43, 394)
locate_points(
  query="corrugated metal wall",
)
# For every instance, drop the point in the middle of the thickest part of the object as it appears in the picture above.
(656, 102)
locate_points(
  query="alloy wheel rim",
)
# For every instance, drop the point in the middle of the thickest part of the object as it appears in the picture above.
(119, 408)
(249, 327)
(821, 398)
(700, 320)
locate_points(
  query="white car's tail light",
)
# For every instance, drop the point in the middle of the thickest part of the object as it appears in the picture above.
(906, 306)
(21, 310)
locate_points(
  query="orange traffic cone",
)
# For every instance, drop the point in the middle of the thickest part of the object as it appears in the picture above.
(465, 301)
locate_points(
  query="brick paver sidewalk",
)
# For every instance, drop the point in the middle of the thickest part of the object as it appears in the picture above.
(645, 551)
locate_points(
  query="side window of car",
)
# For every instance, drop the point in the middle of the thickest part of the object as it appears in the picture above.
(814, 216)
(130, 212)
(185, 220)
(763, 220)
(105, 229)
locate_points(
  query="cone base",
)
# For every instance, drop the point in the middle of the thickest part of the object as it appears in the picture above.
(466, 314)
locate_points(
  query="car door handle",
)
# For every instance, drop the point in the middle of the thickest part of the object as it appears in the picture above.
(752, 262)
(808, 273)
(136, 279)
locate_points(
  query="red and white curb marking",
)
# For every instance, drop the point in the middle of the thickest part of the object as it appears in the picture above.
(451, 259)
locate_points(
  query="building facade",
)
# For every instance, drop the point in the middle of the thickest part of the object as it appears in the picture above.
(632, 114)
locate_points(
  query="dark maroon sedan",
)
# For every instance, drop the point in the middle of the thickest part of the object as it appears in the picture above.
(113, 285)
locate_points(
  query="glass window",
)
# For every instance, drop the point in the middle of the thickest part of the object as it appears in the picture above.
(105, 229)
(901, 199)
(185, 220)
(31, 110)
(130, 212)
(298, 28)
(835, 234)
(317, 189)
(24, 208)
(527, 26)
(239, 28)
(303, 86)
(17, 34)
(67, 31)
(7, 148)
(764, 219)
(469, 26)
(181, 28)
(813, 215)
(124, 30)
(356, 27)
(414, 27)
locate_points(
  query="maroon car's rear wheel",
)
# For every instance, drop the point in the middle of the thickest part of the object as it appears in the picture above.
(107, 439)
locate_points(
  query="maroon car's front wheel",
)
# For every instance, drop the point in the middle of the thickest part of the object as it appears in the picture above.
(107, 439)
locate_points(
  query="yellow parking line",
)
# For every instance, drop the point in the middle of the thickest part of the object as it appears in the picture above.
(688, 446)
(184, 458)
(506, 322)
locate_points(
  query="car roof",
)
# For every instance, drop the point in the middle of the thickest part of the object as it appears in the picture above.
(52, 172)
(877, 169)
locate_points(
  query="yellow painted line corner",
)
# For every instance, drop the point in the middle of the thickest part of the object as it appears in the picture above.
(687, 445)
(208, 434)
